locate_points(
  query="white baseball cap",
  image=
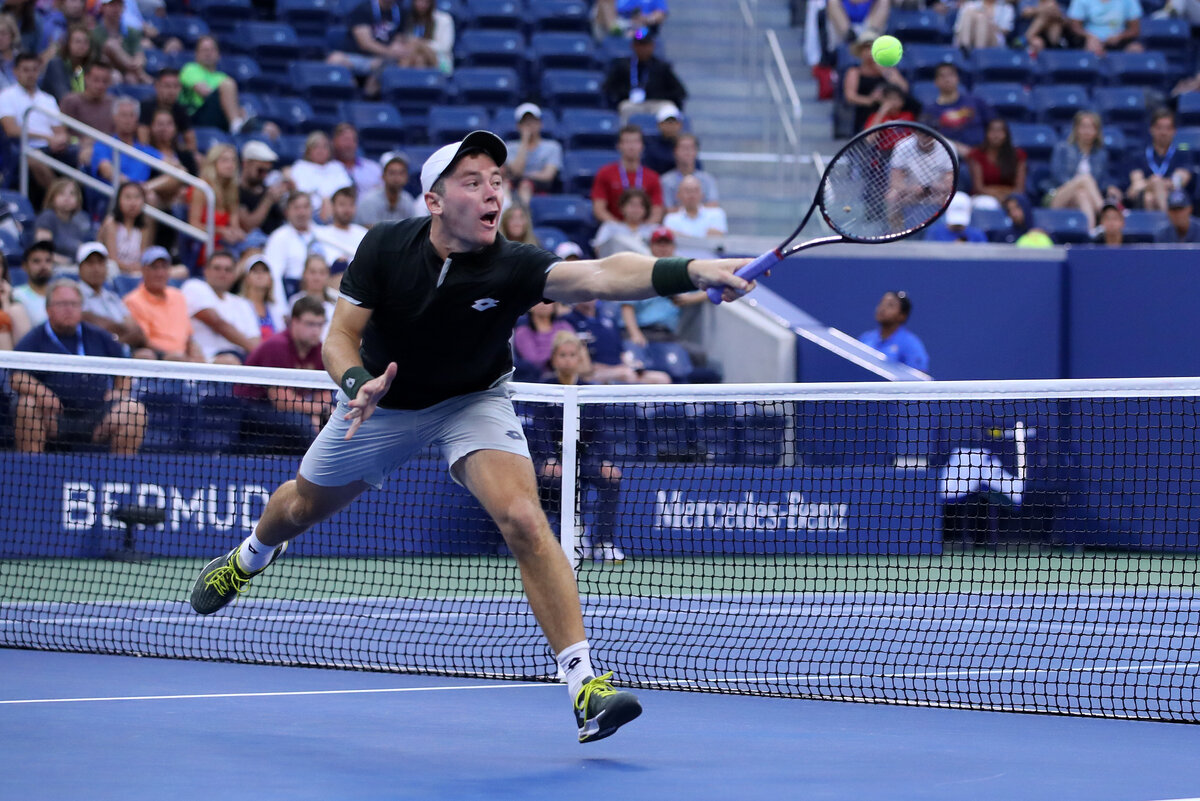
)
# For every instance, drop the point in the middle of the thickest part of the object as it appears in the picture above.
(567, 249)
(255, 150)
(444, 158)
(87, 249)
(526, 108)
(959, 210)
(667, 112)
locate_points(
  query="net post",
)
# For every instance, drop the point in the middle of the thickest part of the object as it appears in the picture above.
(570, 474)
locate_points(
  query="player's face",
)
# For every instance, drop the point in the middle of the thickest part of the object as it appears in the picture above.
(470, 208)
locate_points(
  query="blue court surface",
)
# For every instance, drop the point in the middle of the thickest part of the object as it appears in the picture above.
(90, 727)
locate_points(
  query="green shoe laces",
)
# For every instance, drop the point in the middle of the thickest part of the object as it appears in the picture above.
(227, 578)
(598, 686)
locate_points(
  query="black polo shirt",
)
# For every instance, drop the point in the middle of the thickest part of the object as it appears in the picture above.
(446, 324)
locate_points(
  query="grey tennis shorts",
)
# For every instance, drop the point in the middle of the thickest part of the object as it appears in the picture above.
(478, 421)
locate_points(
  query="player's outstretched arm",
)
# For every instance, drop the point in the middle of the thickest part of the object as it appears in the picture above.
(632, 276)
(342, 361)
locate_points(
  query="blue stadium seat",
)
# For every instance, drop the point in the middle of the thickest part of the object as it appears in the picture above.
(168, 410)
(1123, 107)
(590, 127)
(993, 222)
(186, 28)
(573, 88)
(919, 27)
(559, 50)
(1037, 139)
(207, 137)
(1141, 226)
(1059, 104)
(11, 247)
(669, 432)
(612, 48)
(274, 45)
(1002, 64)
(292, 114)
(1169, 36)
(451, 123)
(487, 48)
(1189, 109)
(413, 92)
(1065, 226)
(311, 20)
(218, 420)
(324, 85)
(571, 213)
(138, 91)
(1068, 66)
(1149, 69)
(646, 122)
(1012, 101)
(508, 14)
(742, 433)
(243, 69)
(380, 126)
(1189, 137)
(504, 123)
(289, 148)
(417, 154)
(1116, 143)
(124, 284)
(559, 15)
(924, 92)
(1037, 180)
(921, 61)
(224, 16)
(489, 86)
(580, 167)
(549, 236)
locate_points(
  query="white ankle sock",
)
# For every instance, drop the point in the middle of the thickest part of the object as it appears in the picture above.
(254, 554)
(575, 661)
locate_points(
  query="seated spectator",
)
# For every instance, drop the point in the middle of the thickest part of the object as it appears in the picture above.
(224, 325)
(533, 340)
(1106, 25)
(45, 133)
(219, 172)
(1047, 26)
(261, 192)
(955, 225)
(389, 202)
(956, 114)
(58, 18)
(164, 138)
(63, 221)
(568, 366)
(614, 179)
(533, 162)
(984, 23)
(318, 174)
(125, 120)
(162, 311)
(117, 46)
(65, 72)
(10, 45)
(643, 13)
(632, 231)
(429, 36)
(376, 40)
(127, 230)
(644, 83)
(597, 328)
(93, 106)
(1020, 216)
(258, 287)
(660, 150)
(66, 408)
(1080, 171)
(365, 174)
(167, 89)
(846, 20)
(863, 83)
(1112, 226)
(104, 308)
(38, 264)
(516, 226)
(658, 319)
(997, 168)
(288, 247)
(692, 218)
(892, 338)
(14, 319)
(1163, 168)
(210, 96)
(314, 283)
(1183, 227)
(894, 105)
(915, 174)
(340, 239)
(287, 417)
(687, 152)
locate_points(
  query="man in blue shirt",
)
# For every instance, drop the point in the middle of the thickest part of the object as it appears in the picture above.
(64, 408)
(125, 124)
(955, 225)
(892, 338)
(1183, 226)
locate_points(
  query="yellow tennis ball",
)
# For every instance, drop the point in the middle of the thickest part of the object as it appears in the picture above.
(887, 50)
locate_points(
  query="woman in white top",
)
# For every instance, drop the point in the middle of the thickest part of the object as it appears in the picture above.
(984, 23)
(428, 37)
(632, 231)
(127, 230)
(318, 174)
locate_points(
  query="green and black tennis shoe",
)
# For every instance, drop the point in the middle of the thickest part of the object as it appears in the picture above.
(601, 709)
(222, 579)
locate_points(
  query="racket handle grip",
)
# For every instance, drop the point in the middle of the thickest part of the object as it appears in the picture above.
(750, 271)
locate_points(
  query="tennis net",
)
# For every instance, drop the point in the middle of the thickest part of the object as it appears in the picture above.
(1027, 546)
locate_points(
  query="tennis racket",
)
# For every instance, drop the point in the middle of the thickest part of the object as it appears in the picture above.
(885, 184)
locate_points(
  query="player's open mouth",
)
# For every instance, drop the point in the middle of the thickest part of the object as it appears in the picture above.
(490, 218)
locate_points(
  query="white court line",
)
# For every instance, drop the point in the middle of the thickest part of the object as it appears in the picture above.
(281, 693)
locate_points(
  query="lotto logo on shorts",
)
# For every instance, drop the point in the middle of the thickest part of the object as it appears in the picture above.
(483, 304)
(514, 434)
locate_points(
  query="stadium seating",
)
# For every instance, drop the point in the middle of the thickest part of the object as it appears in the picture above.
(207, 137)
(11, 247)
(1012, 101)
(311, 20)
(560, 50)
(1148, 69)
(325, 86)
(574, 88)
(1189, 109)
(484, 48)
(1141, 226)
(1037, 139)
(580, 167)
(924, 92)
(247, 74)
(504, 123)
(593, 128)
(1002, 64)
(921, 61)
(292, 114)
(919, 26)
(1123, 107)
(1168, 36)
(274, 45)
(550, 237)
(1065, 226)
(993, 222)
(186, 29)
(449, 123)
(413, 92)
(612, 48)
(380, 126)
(559, 15)
(1068, 66)
(224, 16)
(571, 213)
(1059, 104)
(1115, 141)
(1189, 137)
(289, 148)
(489, 86)
(505, 14)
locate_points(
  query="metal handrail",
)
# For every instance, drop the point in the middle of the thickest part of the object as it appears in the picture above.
(207, 235)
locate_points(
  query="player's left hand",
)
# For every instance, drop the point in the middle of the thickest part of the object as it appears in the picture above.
(707, 273)
(363, 405)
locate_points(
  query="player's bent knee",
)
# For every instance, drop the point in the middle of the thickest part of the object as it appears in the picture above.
(523, 524)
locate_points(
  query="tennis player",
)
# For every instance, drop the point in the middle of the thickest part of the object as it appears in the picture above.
(433, 302)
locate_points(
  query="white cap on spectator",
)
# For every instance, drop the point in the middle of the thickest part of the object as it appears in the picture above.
(87, 249)
(526, 108)
(959, 210)
(567, 249)
(153, 254)
(443, 158)
(667, 112)
(393, 155)
(255, 150)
